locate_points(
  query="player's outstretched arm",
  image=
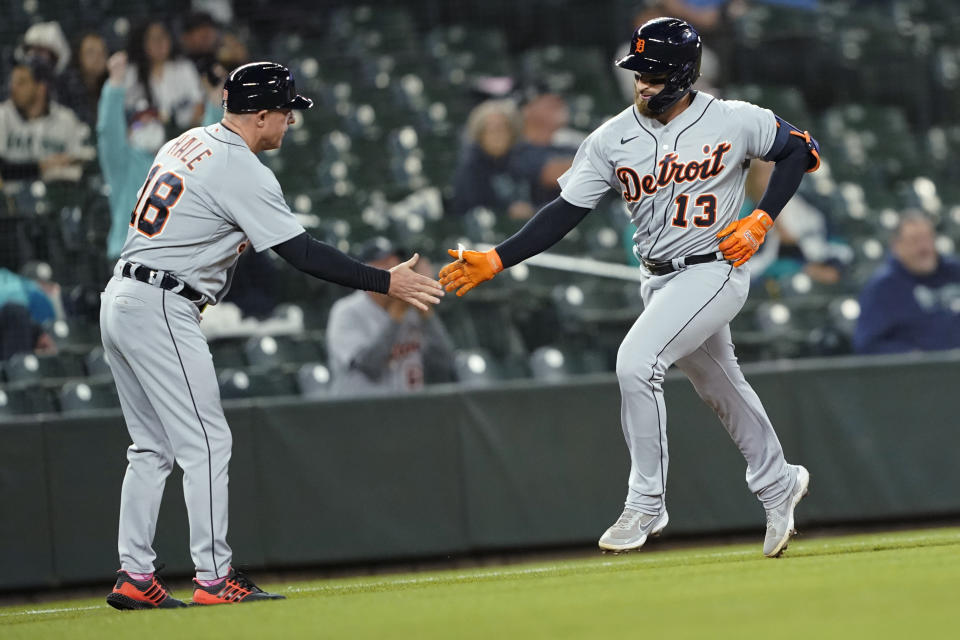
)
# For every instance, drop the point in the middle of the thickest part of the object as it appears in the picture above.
(323, 261)
(544, 230)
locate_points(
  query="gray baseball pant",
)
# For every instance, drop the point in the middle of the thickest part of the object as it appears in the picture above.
(685, 321)
(171, 403)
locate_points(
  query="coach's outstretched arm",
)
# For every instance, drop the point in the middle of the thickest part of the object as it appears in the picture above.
(323, 261)
(549, 226)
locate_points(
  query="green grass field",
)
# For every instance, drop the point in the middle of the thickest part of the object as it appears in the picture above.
(891, 585)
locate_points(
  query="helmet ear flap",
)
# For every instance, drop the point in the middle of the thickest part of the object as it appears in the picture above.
(677, 86)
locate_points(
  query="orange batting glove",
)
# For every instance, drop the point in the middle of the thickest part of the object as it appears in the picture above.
(470, 269)
(743, 237)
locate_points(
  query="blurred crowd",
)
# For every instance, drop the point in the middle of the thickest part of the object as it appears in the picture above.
(73, 108)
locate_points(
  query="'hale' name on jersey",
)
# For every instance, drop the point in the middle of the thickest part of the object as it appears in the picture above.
(188, 146)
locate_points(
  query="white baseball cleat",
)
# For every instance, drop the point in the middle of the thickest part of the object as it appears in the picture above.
(630, 531)
(780, 518)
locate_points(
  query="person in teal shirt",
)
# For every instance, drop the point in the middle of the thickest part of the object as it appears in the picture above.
(24, 308)
(126, 152)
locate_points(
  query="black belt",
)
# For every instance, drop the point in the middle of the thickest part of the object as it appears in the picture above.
(663, 267)
(168, 282)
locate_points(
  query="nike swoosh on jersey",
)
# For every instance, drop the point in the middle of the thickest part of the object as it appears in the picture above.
(626, 140)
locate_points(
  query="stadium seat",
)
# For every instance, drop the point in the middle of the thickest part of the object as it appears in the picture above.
(82, 395)
(480, 225)
(254, 383)
(76, 332)
(774, 318)
(270, 351)
(10, 403)
(476, 367)
(843, 312)
(550, 364)
(96, 363)
(228, 353)
(313, 380)
(596, 302)
(24, 367)
(265, 351)
(487, 325)
(26, 400)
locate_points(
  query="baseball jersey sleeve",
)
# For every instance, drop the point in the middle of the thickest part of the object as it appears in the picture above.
(590, 176)
(758, 127)
(256, 205)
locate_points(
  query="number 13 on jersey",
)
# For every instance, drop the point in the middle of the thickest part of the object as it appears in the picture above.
(158, 196)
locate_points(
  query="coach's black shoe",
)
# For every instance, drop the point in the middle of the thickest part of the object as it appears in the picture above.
(236, 588)
(141, 594)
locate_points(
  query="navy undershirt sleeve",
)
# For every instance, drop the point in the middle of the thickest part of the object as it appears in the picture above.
(323, 261)
(792, 162)
(555, 220)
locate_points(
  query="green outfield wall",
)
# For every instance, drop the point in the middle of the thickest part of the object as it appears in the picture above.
(455, 471)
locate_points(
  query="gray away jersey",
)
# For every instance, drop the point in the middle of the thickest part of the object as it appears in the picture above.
(682, 182)
(205, 199)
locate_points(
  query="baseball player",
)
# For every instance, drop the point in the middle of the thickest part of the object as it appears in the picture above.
(205, 199)
(679, 158)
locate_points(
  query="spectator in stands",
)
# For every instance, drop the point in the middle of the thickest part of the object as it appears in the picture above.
(38, 137)
(45, 40)
(913, 302)
(200, 41)
(79, 86)
(126, 147)
(126, 144)
(24, 308)
(799, 242)
(487, 174)
(547, 146)
(232, 51)
(156, 79)
(378, 346)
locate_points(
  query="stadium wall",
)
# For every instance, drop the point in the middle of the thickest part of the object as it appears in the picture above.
(453, 471)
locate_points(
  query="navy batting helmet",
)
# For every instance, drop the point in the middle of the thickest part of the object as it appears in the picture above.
(669, 48)
(261, 85)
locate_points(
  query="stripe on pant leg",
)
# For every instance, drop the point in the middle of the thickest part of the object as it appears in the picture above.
(213, 545)
(663, 480)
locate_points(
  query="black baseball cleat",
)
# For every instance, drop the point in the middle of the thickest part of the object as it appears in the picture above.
(141, 594)
(236, 588)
